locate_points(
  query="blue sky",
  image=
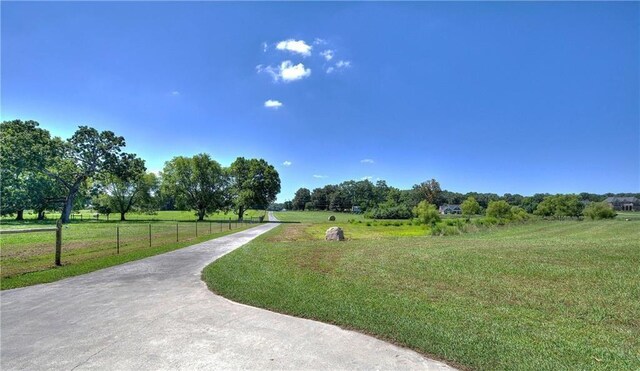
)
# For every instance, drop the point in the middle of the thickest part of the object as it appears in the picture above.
(519, 97)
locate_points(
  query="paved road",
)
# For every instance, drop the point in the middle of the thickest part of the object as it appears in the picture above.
(156, 313)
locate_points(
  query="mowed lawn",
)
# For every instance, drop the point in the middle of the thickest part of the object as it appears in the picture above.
(88, 245)
(544, 295)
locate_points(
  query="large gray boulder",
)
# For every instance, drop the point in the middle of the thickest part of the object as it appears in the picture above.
(334, 234)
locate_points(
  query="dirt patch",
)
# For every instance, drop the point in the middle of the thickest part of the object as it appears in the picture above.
(291, 233)
(321, 259)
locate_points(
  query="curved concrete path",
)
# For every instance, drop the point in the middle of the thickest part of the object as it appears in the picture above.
(156, 313)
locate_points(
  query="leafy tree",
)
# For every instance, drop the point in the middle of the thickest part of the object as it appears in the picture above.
(499, 209)
(428, 191)
(427, 213)
(127, 185)
(560, 206)
(24, 148)
(254, 183)
(88, 153)
(199, 182)
(288, 205)
(470, 206)
(302, 196)
(599, 210)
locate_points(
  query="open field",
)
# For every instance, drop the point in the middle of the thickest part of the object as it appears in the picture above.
(543, 295)
(28, 258)
(87, 215)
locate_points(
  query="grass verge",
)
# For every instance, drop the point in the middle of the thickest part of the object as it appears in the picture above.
(73, 266)
(545, 295)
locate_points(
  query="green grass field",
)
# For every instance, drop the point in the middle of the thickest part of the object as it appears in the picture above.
(544, 295)
(87, 245)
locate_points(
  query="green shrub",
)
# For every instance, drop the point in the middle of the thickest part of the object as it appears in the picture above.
(426, 213)
(389, 212)
(518, 214)
(599, 210)
(499, 210)
(470, 206)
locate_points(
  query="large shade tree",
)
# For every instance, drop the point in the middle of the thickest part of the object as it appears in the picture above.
(24, 148)
(197, 182)
(254, 184)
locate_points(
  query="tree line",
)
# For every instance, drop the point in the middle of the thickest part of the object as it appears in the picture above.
(381, 201)
(40, 172)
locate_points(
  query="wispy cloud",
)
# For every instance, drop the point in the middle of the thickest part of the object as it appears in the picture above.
(264, 46)
(339, 65)
(286, 72)
(295, 46)
(287, 163)
(368, 177)
(367, 161)
(319, 41)
(327, 54)
(343, 64)
(320, 176)
(272, 103)
(175, 93)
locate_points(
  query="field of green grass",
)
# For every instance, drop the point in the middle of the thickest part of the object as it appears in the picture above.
(87, 215)
(88, 245)
(542, 295)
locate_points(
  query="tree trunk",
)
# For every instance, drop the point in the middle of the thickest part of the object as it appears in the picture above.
(240, 213)
(68, 203)
(122, 219)
(20, 215)
(201, 214)
(41, 215)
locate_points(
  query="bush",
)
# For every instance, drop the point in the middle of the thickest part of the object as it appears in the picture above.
(518, 214)
(426, 213)
(389, 212)
(470, 206)
(499, 210)
(599, 210)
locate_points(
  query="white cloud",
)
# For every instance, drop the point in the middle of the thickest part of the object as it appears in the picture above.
(327, 54)
(368, 177)
(287, 163)
(175, 93)
(319, 41)
(286, 72)
(289, 72)
(367, 161)
(343, 64)
(265, 46)
(271, 103)
(330, 69)
(320, 176)
(295, 46)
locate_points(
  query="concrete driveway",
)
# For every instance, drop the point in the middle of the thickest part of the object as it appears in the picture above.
(156, 313)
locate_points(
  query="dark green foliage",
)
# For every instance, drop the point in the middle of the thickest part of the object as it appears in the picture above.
(386, 211)
(254, 184)
(426, 213)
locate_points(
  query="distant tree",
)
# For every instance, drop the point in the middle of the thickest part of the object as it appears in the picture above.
(24, 149)
(199, 182)
(559, 206)
(599, 210)
(127, 186)
(88, 153)
(254, 183)
(427, 213)
(288, 205)
(499, 209)
(320, 199)
(470, 206)
(428, 191)
(302, 196)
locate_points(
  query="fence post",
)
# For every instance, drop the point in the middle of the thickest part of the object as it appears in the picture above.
(118, 239)
(220, 226)
(58, 241)
(229, 223)
(149, 234)
(196, 228)
(209, 227)
(176, 231)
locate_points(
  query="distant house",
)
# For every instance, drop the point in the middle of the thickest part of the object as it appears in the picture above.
(623, 203)
(450, 209)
